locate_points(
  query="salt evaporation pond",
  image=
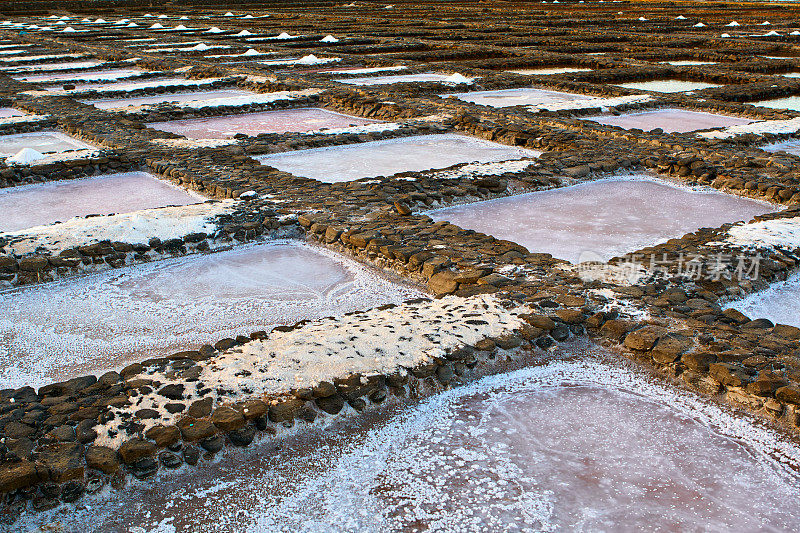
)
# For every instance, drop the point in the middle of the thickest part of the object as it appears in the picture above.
(602, 219)
(99, 75)
(68, 65)
(91, 324)
(279, 121)
(671, 120)
(333, 164)
(548, 71)
(780, 303)
(668, 86)
(37, 204)
(399, 78)
(568, 446)
(114, 103)
(792, 103)
(46, 142)
(514, 97)
(8, 112)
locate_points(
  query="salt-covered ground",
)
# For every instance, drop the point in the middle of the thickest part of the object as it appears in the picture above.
(115, 103)
(98, 75)
(398, 78)
(602, 219)
(130, 86)
(384, 158)
(45, 142)
(688, 63)
(38, 204)
(670, 120)
(279, 121)
(91, 324)
(548, 71)
(568, 446)
(780, 303)
(791, 102)
(668, 86)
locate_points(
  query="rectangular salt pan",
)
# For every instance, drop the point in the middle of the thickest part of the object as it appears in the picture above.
(792, 103)
(37, 204)
(45, 142)
(399, 78)
(670, 120)
(70, 65)
(115, 103)
(99, 75)
(515, 97)
(601, 219)
(384, 158)
(100, 322)
(668, 86)
(280, 121)
(548, 71)
(8, 112)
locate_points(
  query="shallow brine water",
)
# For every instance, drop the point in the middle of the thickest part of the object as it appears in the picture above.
(114, 103)
(670, 120)
(99, 75)
(102, 321)
(46, 142)
(514, 97)
(399, 78)
(601, 219)
(280, 121)
(44, 203)
(568, 446)
(780, 303)
(548, 71)
(792, 103)
(385, 158)
(668, 86)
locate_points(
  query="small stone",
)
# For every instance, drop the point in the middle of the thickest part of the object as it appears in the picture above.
(136, 449)
(102, 458)
(227, 419)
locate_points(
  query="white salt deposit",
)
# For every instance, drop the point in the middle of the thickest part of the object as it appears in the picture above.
(46, 142)
(569, 446)
(117, 103)
(123, 86)
(757, 128)
(387, 157)
(401, 78)
(780, 303)
(688, 63)
(279, 121)
(548, 71)
(370, 70)
(26, 156)
(8, 112)
(137, 227)
(38, 204)
(601, 219)
(310, 59)
(102, 321)
(668, 86)
(670, 120)
(791, 102)
(778, 233)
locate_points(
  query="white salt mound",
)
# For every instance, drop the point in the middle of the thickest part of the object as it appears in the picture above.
(26, 156)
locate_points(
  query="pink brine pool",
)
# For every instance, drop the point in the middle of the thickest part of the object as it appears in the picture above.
(670, 120)
(27, 206)
(601, 219)
(281, 121)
